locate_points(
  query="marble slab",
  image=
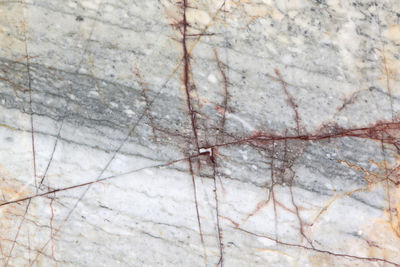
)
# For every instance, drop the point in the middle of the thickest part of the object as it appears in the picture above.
(200, 133)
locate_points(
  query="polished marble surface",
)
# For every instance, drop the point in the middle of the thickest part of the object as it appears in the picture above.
(200, 133)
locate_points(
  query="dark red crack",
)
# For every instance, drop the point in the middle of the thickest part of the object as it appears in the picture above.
(297, 212)
(51, 227)
(290, 100)
(197, 207)
(320, 250)
(28, 198)
(186, 77)
(213, 159)
(381, 131)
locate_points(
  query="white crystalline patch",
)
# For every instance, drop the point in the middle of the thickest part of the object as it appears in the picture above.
(287, 59)
(113, 104)
(109, 8)
(82, 70)
(92, 4)
(148, 171)
(271, 48)
(212, 79)
(244, 154)
(129, 112)
(93, 93)
(343, 119)
(329, 186)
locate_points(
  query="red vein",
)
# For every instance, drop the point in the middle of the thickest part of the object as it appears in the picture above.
(186, 78)
(197, 209)
(320, 250)
(97, 180)
(290, 100)
(213, 158)
(51, 227)
(297, 212)
(371, 133)
(272, 192)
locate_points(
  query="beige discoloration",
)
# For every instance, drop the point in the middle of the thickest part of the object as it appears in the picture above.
(198, 18)
(380, 240)
(10, 215)
(320, 260)
(257, 10)
(390, 67)
(383, 234)
(387, 177)
(333, 200)
(12, 26)
(8, 127)
(11, 188)
(393, 32)
(274, 251)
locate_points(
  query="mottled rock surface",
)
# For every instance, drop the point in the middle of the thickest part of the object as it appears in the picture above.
(200, 133)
